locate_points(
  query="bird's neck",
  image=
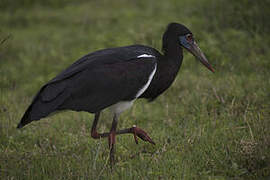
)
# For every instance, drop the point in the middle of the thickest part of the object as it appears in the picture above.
(168, 66)
(173, 53)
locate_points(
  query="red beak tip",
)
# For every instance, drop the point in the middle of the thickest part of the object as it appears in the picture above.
(210, 68)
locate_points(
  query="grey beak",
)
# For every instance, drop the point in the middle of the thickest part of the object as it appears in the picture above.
(196, 51)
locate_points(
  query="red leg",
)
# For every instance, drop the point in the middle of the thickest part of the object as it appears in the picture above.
(111, 139)
(94, 132)
(111, 136)
(134, 130)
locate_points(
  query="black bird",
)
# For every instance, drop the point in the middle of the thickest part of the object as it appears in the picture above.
(115, 78)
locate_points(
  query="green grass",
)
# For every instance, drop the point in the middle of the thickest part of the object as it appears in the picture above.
(206, 126)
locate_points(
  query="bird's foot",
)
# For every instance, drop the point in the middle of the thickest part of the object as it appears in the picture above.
(141, 134)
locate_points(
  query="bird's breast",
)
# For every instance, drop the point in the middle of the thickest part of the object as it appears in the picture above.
(162, 80)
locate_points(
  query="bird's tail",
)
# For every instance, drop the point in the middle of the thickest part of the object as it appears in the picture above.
(44, 103)
(26, 118)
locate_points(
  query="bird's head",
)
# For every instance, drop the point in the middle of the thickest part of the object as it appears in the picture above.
(185, 39)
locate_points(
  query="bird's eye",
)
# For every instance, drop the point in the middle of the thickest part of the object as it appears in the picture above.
(189, 38)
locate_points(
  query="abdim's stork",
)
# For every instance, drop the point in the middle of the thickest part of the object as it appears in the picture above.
(115, 78)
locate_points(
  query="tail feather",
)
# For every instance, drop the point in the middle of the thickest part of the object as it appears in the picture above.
(40, 109)
(26, 118)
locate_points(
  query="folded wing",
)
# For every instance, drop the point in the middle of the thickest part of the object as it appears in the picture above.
(93, 83)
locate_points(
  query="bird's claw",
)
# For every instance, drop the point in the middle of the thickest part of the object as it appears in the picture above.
(141, 134)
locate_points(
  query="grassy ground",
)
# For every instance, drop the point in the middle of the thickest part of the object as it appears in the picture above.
(206, 126)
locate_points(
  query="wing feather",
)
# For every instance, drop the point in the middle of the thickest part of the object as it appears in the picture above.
(96, 89)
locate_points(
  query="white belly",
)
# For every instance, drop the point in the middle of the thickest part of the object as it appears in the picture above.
(121, 106)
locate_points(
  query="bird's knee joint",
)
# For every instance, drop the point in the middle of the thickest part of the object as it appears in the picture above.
(95, 135)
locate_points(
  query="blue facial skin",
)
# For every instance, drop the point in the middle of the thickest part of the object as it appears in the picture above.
(184, 42)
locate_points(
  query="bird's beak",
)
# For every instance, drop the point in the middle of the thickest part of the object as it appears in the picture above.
(196, 51)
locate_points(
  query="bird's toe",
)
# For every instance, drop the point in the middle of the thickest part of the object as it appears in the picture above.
(141, 134)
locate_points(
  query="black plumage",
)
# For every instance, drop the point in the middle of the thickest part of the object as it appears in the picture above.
(94, 82)
(115, 77)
